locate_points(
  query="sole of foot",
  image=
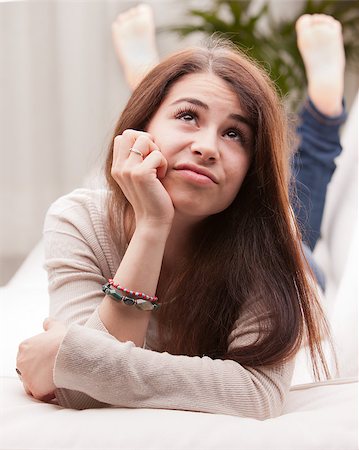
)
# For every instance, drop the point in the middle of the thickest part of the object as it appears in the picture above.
(320, 42)
(133, 35)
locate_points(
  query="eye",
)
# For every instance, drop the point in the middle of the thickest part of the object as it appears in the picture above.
(187, 115)
(236, 135)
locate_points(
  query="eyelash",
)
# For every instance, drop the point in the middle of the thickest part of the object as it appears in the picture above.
(182, 112)
(190, 111)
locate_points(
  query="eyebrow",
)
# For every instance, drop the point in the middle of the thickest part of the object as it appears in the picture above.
(195, 101)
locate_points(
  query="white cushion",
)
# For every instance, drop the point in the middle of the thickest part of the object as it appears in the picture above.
(316, 418)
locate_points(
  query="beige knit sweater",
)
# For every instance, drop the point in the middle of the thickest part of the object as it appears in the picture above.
(93, 369)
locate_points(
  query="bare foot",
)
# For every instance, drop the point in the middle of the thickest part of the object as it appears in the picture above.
(133, 35)
(320, 42)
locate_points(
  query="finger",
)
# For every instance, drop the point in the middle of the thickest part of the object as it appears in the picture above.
(156, 160)
(27, 390)
(49, 323)
(48, 397)
(19, 356)
(124, 142)
(43, 397)
(143, 145)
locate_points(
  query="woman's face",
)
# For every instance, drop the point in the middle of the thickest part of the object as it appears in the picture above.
(203, 133)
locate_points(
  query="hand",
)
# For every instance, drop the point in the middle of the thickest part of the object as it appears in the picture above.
(139, 178)
(36, 360)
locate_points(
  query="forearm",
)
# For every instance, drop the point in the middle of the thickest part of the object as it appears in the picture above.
(122, 375)
(139, 270)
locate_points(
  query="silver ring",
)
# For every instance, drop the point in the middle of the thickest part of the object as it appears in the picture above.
(134, 150)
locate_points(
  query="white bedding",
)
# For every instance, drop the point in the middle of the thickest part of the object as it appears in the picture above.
(317, 415)
(321, 417)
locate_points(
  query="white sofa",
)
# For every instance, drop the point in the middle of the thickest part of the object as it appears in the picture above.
(316, 416)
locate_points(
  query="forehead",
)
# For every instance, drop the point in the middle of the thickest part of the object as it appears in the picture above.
(207, 87)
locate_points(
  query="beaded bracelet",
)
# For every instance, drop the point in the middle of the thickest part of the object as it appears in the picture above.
(139, 303)
(135, 293)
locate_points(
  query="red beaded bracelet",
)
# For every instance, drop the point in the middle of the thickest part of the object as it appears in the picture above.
(135, 293)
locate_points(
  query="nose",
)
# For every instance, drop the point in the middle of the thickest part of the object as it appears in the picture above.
(205, 146)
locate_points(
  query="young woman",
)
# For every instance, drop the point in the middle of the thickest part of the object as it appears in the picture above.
(320, 43)
(196, 213)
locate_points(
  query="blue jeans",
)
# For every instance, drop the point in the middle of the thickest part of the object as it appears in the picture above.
(313, 167)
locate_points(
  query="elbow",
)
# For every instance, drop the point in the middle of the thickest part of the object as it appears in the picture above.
(268, 391)
(265, 406)
(272, 403)
(275, 407)
(265, 399)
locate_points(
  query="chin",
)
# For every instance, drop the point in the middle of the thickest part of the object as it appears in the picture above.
(193, 210)
(191, 204)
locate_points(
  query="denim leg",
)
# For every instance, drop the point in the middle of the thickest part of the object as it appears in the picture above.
(317, 271)
(313, 167)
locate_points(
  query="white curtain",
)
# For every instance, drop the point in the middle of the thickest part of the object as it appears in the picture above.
(61, 91)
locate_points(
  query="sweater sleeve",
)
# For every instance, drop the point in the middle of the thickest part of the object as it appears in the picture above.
(78, 261)
(78, 258)
(123, 375)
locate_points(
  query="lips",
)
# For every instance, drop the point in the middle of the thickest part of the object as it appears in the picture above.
(198, 169)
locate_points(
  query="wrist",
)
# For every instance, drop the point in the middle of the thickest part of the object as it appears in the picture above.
(124, 322)
(152, 230)
(127, 312)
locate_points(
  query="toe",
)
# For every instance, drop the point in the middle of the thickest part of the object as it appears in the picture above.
(303, 22)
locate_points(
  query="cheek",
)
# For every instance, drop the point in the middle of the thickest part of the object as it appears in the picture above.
(238, 174)
(161, 139)
(168, 137)
(168, 146)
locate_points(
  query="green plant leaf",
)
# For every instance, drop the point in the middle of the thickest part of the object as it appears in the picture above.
(275, 48)
(237, 8)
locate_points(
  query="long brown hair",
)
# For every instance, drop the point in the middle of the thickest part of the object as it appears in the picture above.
(247, 257)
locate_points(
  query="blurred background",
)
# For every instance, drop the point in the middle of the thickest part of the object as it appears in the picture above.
(62, 89)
